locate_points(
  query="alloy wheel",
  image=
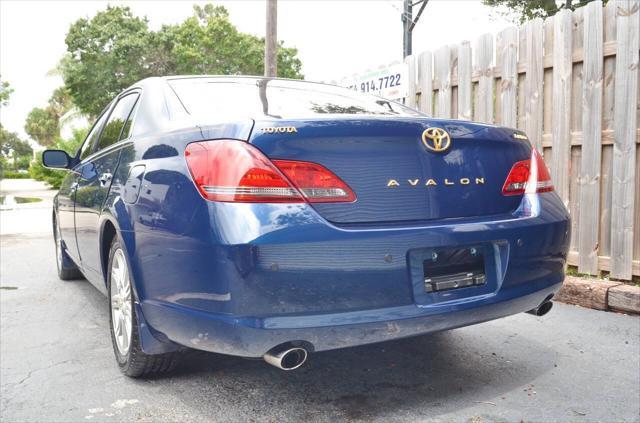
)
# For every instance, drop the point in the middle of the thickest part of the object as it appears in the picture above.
(121, 310)
(58, 240)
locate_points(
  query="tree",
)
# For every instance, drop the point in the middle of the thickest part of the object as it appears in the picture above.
(5, 92)
(60, 102)
(208, 43)
(43, 126)
(524, 10)
(114, 49)
(105, 55)
(11, 146)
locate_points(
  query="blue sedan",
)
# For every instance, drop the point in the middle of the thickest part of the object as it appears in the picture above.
(275, 218)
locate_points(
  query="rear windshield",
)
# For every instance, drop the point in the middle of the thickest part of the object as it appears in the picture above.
(237, 99)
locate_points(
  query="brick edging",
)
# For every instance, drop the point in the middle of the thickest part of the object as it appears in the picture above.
(600, 294)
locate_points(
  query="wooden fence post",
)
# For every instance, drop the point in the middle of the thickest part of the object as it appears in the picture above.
(464, 81)
(534, 33)
(443, 72)
(561, 134)
(508, 50)
(411, 85)
(577, 36)
(425, 78)
(589, 178)
(624, 147)
(483, 53)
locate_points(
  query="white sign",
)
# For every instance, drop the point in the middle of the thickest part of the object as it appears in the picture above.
(389, 82)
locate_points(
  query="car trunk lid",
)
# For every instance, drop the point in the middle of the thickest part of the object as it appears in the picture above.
(395, 172)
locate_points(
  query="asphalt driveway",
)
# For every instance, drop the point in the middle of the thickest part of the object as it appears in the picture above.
(57, 365)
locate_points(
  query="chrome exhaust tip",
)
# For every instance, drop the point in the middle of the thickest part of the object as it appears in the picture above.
(542, 309)
(289, 358)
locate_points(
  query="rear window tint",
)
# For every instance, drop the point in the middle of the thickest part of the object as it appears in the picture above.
(89, 142)
(204, 97)
(119, 122)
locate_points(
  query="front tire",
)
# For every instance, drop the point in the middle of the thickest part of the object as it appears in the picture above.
(131, 360)
(67, 270)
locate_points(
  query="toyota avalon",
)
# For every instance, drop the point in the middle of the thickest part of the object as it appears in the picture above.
(276, 218)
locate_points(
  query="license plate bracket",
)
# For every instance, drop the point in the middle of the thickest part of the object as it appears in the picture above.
(448, 269)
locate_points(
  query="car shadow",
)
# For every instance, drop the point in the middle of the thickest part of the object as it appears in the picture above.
(437, 374)
(430, 375)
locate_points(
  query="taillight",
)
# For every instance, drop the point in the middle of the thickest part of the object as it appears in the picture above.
(234, 171)
(317, 183)
(528, 177)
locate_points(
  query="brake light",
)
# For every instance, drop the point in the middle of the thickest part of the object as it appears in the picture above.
(235, 171)
(317, 183)
(528, 177)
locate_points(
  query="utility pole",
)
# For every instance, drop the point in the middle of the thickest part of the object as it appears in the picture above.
(408, 23)
(407, 19)
(271, 40)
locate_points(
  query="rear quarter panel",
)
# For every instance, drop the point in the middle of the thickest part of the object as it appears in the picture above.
(165, 211)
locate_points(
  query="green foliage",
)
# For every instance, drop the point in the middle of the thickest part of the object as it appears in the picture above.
(22, 162)
(10, 170)
(54, 177)
(114, 49)
(43, 125)
(60, 102)
(11, 146)
(3, 165)
(208, 43)
(524, 10)
(10, 174)
(5, 92)
(111, 132)
(105, 55)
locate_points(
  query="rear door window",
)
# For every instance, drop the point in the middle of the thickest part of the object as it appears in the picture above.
(119, 124)
(90, 141)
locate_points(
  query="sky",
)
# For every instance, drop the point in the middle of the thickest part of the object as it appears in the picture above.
(334, 38)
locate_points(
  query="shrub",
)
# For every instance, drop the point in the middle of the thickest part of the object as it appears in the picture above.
(22, 162)
(9, 174)
(54, 177)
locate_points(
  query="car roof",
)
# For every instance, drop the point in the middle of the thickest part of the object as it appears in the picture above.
(227, 78)
(155, 111)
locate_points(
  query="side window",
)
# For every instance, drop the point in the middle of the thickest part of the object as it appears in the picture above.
(119, 122)
(90, 141)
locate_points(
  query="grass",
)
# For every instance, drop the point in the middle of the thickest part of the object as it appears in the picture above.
(9, 199)
(14, 175)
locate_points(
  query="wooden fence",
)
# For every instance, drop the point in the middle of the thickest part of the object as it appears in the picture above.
(571, 82)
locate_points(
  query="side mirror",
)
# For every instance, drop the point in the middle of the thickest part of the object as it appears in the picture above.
(56, 159)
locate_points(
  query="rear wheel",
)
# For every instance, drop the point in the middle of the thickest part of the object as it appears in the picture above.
(67, 270)
(131, 359)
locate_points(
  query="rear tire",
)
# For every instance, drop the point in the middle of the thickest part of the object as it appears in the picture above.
(67, 270)
(123, 323)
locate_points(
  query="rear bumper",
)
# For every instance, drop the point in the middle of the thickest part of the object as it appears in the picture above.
(255, 276)
(254, 337)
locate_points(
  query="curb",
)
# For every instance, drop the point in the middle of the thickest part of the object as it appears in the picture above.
(600, 294)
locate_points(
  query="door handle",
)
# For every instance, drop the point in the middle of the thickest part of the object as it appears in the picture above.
(105, 178)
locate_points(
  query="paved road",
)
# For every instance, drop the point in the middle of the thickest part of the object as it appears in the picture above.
(57, 365)
(29, 217)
